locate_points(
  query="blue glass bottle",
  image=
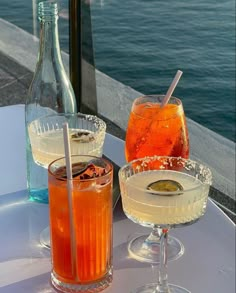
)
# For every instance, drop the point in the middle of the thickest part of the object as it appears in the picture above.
(50, 92)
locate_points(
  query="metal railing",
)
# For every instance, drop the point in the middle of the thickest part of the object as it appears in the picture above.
(81, 48)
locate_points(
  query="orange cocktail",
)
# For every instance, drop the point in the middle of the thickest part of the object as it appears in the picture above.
(89, 265)
(155, 130)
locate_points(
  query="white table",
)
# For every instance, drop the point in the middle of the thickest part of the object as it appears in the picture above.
(207, 266)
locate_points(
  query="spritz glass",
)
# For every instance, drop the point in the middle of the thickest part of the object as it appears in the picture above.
(164, 192)
(86, 135)
(156, 130)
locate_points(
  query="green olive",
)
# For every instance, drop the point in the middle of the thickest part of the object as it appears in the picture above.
(167, 185)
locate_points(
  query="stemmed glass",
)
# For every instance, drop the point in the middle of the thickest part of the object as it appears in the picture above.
(87, 135)
(156, 130)
(164, 192)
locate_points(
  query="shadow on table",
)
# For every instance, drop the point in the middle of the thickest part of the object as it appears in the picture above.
(37, 284)
(21, 223)
(118, 213)
(122, 260)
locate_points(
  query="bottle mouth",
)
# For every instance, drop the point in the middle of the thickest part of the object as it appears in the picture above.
(47, 10)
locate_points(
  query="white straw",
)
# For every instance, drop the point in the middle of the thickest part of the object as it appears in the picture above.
(171, 88)
(67, 155)
(69, 193)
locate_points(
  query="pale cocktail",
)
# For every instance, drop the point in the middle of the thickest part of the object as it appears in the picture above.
(87, 134)
(162, 193)
(150, 207)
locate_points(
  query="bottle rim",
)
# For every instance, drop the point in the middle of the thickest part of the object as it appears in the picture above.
(47, 10)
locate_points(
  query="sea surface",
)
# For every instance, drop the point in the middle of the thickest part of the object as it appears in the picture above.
(144, 43)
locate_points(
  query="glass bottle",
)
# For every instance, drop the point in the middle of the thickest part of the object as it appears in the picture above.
(50, 92)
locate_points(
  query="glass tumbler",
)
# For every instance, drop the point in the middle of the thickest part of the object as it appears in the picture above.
(81, 224)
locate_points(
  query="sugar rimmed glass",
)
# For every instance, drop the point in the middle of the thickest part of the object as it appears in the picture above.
(164, 209)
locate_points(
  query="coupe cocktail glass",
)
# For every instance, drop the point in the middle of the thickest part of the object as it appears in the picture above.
(164, 192)
(155, 130)
(87, 134)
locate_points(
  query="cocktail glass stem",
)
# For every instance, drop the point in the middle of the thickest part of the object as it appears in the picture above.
(146, 248)
(154, 236)
(162, 284)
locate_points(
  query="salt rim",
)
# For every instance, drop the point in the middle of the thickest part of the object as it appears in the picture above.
(188, 165)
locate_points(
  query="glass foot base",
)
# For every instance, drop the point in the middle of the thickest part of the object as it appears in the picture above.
(145, 250)
(45, 238)
(95, 286)
(152, 288)
(38, 195)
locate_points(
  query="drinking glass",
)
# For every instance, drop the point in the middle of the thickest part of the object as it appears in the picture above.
(164, 192)
(87, 135)
(156, 130)
(81, 224)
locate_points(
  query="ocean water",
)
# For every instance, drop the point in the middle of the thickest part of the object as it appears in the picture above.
(144, 43)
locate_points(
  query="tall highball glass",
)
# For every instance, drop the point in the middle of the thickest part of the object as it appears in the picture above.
(81, 224)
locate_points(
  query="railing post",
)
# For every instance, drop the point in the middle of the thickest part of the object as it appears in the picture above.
(82, 65)
(75, 48)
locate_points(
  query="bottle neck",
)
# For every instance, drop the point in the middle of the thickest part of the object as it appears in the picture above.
(49, 41)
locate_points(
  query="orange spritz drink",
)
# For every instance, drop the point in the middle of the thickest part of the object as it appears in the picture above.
(155, 130)
(89, 267)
